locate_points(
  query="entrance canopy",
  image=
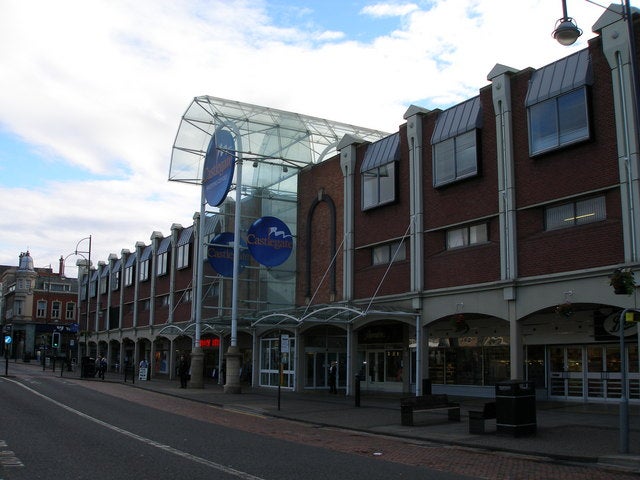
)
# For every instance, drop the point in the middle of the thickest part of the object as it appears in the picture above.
(331, 314)
(277, 142)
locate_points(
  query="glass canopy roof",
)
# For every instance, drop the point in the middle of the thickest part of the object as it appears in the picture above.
(276, 142)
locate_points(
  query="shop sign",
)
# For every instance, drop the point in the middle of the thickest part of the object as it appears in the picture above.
(607, 328)
(219, 166)
(220, 254)
(270, 241)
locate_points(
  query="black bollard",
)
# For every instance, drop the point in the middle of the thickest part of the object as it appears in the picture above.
(357, 390)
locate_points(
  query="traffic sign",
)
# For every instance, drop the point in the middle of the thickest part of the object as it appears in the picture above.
(7, 339)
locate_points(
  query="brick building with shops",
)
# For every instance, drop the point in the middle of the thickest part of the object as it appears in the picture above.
(475, 244)
(38, 309)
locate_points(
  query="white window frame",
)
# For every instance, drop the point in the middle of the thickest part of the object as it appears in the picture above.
(56, 306)
(70, 312)
(128, 276)
(41, 309)
(183, 256)
(143, 274)
(162, 264)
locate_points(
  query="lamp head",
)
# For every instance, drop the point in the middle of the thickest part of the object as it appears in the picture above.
(566, 31)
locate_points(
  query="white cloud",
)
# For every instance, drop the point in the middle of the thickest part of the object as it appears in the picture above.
(389, 9)
(102, 85)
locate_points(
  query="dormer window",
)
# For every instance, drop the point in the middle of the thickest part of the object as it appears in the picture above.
(557, 106)
(379, 172)
(455, 142)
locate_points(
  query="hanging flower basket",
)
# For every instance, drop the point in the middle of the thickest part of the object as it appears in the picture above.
(622, 281)
(565, 309)
(459, 323)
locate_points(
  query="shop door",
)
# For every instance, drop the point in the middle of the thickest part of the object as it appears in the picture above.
(596, 372)
(317, 369)
(316, 374)
(566, 372)
(375, 366)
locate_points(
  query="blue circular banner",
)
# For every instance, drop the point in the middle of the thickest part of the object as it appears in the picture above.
(270, 241)
(219, 166)
(220, 254)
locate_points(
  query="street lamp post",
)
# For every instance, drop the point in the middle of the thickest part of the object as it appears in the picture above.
(87, 269)
(566, 33)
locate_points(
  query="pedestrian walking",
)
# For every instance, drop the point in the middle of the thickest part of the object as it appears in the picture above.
(333, 372)
(102, 368)
(183, 371)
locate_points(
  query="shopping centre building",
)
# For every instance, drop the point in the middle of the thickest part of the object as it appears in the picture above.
(476, 244)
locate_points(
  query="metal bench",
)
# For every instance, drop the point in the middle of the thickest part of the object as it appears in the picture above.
(409, 405)
(477, 419)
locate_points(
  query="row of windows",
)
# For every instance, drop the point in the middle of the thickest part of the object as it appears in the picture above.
(56, 309)
(182, 262)
(553, 123)
(563, 215)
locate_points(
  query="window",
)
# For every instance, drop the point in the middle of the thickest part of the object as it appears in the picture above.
(41, 310)
(455, 142)
(379, 172)
(186, 296)
(144, 270)
(71, 311)
(103, 284)
(128, 276)
(18, 305)
(55, 309)
(575, 213)
(183, 256)
(115, 280)
(559, 121)
(455, 158)
(164, 300)
(379, 186)
(465, 236)
(163, 260)
(390, 252)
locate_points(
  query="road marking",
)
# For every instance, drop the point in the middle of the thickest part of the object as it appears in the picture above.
(147, 441)
(9, 459)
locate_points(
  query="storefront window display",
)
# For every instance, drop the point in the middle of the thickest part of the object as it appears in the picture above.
(469, 360)
(162, 361)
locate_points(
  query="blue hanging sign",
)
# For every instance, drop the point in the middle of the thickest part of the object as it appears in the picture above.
(219, 166)
(220, 254)
(270, 241)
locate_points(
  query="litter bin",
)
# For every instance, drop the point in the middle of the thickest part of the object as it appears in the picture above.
(87, 367)
(426, 386)
(516, 408)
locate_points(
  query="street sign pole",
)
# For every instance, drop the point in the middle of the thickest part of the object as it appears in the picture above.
(7, 342)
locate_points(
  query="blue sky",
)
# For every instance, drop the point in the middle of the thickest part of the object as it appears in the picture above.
(93, 92)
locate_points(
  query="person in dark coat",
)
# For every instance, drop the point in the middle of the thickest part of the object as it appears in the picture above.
(183, 371)
(333, 371)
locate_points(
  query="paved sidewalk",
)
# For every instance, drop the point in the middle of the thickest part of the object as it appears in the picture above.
(575, 432)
